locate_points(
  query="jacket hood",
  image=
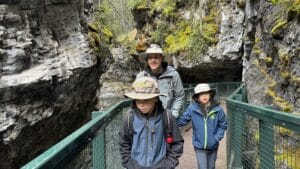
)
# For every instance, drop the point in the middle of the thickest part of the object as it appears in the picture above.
(197, 107)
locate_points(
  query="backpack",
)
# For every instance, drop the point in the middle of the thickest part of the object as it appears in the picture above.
(166, 123)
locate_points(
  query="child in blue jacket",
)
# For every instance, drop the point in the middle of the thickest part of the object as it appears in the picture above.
(209, 125)
(149, 137)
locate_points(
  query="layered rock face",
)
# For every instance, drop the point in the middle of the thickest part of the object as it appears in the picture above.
(272, 67)
(118, 78)
(214, 54)
(222, 62)
(49, 75)
(245, 40)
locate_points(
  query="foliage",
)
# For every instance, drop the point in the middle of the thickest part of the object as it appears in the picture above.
(209, 32)
(197, 43)
(279, 24)
(295, 6)
(286, 8)
(105, 30)
(284, 105)
(178, 40)
(126, 38)
(114, 18)
(295, 79)
(162, 31)
(279, 101)
(176, 33)
(204, 33)
(268, 59)
(241, 3)
(137, 4)
(166, 7)
(288, 156)
(94, 40)
(92, 27)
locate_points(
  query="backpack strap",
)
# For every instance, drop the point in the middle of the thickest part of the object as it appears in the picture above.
(167, 123)
(130, 125)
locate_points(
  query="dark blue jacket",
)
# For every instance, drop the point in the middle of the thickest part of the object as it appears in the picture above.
(148, 149)
(207, 131)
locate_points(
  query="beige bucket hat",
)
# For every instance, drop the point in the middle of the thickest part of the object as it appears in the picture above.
(154, 49)
(203, 87)
(143, 88)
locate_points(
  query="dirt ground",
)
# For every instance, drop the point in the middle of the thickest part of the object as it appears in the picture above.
(188, 159)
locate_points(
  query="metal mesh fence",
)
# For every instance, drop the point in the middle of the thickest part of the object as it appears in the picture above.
(261, 138)
(94, 145)
(257, 138)
(81, 159)
(105, 145)
(223, 89)
(287, 148)
(188, 93)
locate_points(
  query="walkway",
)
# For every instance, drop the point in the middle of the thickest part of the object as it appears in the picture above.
(188, 159)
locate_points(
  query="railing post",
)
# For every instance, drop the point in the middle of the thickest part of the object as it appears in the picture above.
(239, 122)
(184, 103)
(98, 147)
(266, 144)
(237, 127)
(229, 137)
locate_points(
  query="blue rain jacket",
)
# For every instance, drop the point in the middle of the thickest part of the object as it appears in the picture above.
(207, 131)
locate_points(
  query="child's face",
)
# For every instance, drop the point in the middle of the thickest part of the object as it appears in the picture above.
(204, 98)
(146, 106)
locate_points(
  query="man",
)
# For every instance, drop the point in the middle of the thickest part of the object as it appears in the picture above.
(149, 137)
(169, 81)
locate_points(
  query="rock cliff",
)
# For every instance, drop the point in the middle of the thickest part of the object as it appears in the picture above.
(214, 41)
(49, 75)
(272, 69)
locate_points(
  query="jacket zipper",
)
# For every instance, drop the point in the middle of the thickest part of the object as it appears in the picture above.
(205, 128)
(205, 132)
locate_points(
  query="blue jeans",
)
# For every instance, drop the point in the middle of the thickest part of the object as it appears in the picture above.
(206, 159)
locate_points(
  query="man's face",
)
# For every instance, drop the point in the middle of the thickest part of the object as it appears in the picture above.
(146, 106)
(155, 61)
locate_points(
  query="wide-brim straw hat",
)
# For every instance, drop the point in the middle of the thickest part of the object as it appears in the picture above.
(140, 96)
(154, 49)
(144, 88)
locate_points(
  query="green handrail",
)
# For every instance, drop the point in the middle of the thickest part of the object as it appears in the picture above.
(61, 153)
(254, 137)
(281, 118)
(62, 149)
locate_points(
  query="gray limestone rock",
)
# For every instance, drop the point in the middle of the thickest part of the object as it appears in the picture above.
(48, 76)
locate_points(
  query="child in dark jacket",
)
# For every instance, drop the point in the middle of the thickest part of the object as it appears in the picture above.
(209, 125)
(144, 141)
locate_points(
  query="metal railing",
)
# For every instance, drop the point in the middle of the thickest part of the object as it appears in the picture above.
(77, 150)
(260, 137)
(94, 145)
(223, 89)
